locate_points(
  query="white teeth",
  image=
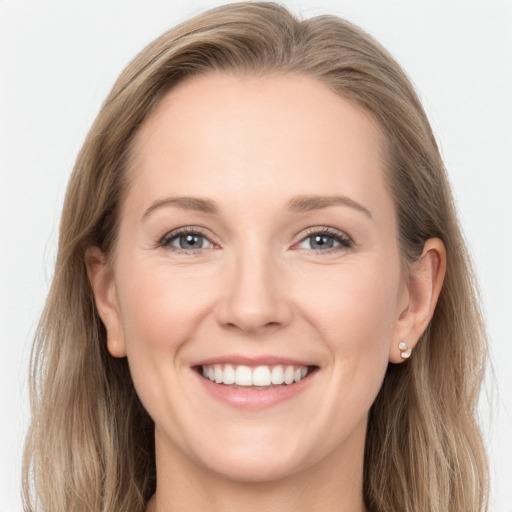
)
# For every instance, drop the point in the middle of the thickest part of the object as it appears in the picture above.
(261, 376)
(243, 376)
(229, 374)
(278, 375)
(288, 375)
(218, 373)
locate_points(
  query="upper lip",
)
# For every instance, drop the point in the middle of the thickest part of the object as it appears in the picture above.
(239, 360)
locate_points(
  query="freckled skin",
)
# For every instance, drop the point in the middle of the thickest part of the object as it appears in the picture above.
(257, 288)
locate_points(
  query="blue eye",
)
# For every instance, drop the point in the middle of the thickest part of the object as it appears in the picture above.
(189, 241)
(324, 240)
(186, 241)
(318, 240)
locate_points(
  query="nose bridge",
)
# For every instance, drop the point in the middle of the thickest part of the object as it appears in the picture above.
(255, 297)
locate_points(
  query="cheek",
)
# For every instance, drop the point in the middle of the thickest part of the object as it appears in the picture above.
(354, 311)
(160, 310)
(353, 307)
(159, 307)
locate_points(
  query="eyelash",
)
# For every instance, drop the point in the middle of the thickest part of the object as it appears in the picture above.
(166, 240)
(344, 241)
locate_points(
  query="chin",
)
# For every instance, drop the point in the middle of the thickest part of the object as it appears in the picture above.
(252, 456)
(256, 469)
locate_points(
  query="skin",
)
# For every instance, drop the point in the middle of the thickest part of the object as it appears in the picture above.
(257, 288)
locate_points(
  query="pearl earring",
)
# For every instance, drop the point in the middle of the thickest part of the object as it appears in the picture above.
(405, 350)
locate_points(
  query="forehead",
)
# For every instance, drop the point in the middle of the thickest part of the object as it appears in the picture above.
(271, 136)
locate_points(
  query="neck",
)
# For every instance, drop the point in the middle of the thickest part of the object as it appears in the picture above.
(332, 485)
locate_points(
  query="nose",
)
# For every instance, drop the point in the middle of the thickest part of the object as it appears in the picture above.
(255, 299)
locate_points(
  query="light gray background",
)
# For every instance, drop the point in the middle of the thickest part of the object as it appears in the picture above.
(59, 59)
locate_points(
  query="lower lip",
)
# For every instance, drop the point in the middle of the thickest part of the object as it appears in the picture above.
(252, 398)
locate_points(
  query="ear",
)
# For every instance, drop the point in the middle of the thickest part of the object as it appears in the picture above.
(419, 298)
(105, 296)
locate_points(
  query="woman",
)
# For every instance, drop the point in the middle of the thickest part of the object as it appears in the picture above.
(262, 300)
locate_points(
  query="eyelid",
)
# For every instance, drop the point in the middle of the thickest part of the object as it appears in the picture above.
(165, 240)
(344, 240)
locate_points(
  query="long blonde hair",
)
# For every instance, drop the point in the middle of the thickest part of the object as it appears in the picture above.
(91, 444)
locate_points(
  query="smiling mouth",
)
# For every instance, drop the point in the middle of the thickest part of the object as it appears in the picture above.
(258, 377)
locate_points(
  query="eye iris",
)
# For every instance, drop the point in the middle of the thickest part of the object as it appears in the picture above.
(321, 242)
(191, 241)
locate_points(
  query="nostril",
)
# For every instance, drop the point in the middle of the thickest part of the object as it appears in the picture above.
(254, 304)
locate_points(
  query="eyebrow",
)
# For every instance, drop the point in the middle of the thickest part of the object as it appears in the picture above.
(186, 203)
(298, 204)
(308, 203)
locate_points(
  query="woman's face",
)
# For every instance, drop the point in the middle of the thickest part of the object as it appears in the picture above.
(257, 244)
